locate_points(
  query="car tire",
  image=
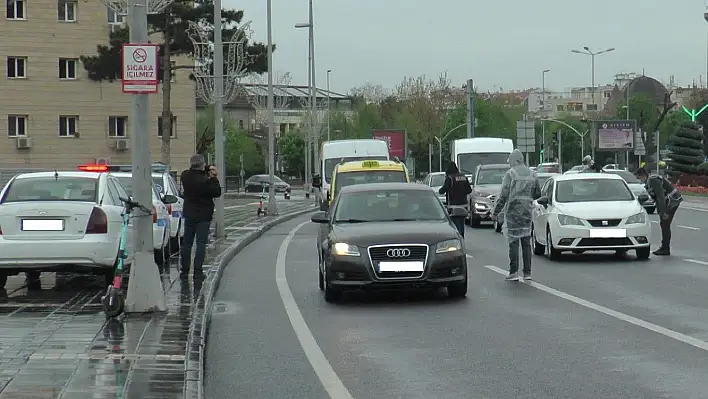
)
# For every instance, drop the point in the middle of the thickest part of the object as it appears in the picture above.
(553, 254)
(650, 210)
(475, 222)
(321, 283)
(33, 280)
(458, 290)
(538, 249)
(497, 226)
(321, 279)
(108, 276)
(331, 294)
(643, 253)
(3, 280)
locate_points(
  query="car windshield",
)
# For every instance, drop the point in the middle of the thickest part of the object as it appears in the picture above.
(388, 206)
(593, 190)
(490, 176)
(330, 163)
(82, 189)
(626, 175)
(127, 183)
(437, 180)
(345, 179)
(467, 163)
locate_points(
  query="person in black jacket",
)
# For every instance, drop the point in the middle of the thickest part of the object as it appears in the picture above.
(200, 186)
(667, 199)
(456, 188)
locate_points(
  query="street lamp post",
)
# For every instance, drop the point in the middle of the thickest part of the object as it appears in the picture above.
(543, 107)
(440, 140)
(329, 124)
(314, 135)
(576, 131)
(272, 210)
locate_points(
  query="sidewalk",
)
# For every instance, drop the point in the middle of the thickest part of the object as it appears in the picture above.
(71, 351)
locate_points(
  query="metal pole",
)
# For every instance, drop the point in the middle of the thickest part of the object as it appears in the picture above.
(329, 71)
(560, 144)
(658, 158)
(316, 138)
(430, 158)
(145, 294)
(439, 154)
(470, 109)
(310, 131)
(272, 207)
(219, 138)
(592, 57)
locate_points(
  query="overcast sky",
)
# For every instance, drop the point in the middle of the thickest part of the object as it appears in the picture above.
(500, 44)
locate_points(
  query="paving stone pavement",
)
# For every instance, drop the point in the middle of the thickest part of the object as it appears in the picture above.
(56, 343)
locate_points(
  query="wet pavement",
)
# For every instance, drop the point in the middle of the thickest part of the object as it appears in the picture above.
(56, 343)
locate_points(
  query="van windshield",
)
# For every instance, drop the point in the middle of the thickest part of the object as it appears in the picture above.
(330, 163)
(467, 163)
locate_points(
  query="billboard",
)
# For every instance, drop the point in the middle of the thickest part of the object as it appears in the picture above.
(616, 135)
(396, 140)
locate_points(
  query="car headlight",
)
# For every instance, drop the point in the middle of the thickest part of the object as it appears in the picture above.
(639, 218)
(566, 220)
(343, 249)
(481, 194)
(448, 246)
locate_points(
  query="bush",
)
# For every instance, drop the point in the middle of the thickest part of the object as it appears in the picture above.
(686, 146)
(703, 169)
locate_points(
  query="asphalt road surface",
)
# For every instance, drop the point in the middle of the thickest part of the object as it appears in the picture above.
(590, 326)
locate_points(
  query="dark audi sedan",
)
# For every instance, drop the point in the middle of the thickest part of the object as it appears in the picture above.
(389, 236)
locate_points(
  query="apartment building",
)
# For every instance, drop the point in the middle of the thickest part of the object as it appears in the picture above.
(54, 115)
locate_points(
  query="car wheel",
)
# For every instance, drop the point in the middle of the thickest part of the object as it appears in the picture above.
(650, 210)
(643, 253)
(321, 279)
(159, 258)
(553, 254)
(538, 249)
(174, 244)
(331, 294)
(458, 290)
(108, 276)
(475, 222)
(497, 226)
(3, 280)
(33, 280)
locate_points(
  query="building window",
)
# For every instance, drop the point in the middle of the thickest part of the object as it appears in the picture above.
(560, 108)
(68, 68)
(591, 107)
(173, 64)
(117, 126)
(16, 67)
(173, 127)
(240, 124)
(68, 126)
(67, 10)
(15, 9)
(115, 18)
(17, 125)
(607, 94)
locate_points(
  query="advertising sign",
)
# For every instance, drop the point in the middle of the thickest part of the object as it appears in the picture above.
(396, 140)
(615, 135)
(140, 65)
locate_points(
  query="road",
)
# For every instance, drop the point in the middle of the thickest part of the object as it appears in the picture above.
(592, 326)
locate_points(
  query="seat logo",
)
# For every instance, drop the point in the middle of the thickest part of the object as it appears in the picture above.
(398, 253)
(42, 213)
(605, 223)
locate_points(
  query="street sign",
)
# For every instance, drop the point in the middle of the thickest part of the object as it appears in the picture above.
(526, 136)
(615, 135)
(639, 148)
(140, 65)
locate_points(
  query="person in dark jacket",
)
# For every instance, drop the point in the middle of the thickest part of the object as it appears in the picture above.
(667, 199)
(200, 186)
(456, 189)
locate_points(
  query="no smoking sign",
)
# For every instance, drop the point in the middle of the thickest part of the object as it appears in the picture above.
(140, 66)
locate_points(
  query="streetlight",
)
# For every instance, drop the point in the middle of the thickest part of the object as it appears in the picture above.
(543, 107)
(576, 131)
(586, 51)
(440, 140)
(329, 72)
(272, 210)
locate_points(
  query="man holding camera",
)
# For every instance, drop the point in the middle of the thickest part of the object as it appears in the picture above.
(200, 186)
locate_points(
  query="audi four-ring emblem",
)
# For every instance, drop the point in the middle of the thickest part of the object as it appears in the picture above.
(398, 253)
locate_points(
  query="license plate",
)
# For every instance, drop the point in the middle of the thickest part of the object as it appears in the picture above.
(401, 266)
(608, 233)
(42, 225)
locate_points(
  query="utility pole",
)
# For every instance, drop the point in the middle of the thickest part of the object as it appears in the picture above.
(219, 139)
(316, 139)
(272, 205)
(560, 146)
(329, 119)
(470, 108)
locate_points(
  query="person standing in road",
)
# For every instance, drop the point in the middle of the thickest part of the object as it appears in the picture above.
(519, 190)
(200, 186)
(456, 189)
(667, 199)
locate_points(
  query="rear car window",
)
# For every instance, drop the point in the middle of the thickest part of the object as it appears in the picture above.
(50, 189)
(127, 183)
(345, 179)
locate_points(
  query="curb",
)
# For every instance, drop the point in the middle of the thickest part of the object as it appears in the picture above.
(199, 326)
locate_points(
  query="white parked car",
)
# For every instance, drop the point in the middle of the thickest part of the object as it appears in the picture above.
(166, 185)
(161, 222)
(61, 221)
(590, 212)
(435, 180)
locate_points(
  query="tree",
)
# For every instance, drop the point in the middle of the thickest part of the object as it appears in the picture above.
(291, 148)
(370, 93)
(171, 27)
(686, 148)
(260, 102)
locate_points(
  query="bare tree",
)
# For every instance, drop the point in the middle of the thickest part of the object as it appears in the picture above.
(320, 116)
(371, 93)
(282, 99)
(429, 100)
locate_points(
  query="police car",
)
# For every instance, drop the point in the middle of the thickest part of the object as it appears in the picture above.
(166, 185)
(363, 172)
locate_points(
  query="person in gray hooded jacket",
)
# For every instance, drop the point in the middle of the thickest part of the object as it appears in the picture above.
(519, 190)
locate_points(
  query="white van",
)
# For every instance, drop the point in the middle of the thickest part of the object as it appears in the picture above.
(470, 153)
(334, 151)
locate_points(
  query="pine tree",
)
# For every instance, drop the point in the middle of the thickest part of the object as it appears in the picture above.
(172, 25)
(686, 146)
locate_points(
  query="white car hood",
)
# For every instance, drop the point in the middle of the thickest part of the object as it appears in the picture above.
(599, 209)
(637, 188)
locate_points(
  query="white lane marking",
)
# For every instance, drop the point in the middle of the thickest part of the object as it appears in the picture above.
(691, 208)
(240, 206)
(613, 313)
(689, 227)
(326, 374)
(700, 262)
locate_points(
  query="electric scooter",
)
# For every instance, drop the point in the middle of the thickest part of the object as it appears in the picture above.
(114, 301)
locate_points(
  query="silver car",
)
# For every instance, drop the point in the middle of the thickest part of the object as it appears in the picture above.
(636, 186)
(435, 180)
(486, 184)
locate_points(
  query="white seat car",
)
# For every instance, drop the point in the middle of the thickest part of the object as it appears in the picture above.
(161, 222)
(166, 185)
(61, 221)
(590, 212)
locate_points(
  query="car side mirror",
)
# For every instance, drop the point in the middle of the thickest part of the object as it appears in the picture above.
(169, 199)
(320, 217)
(642, 198)
(543, 201)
